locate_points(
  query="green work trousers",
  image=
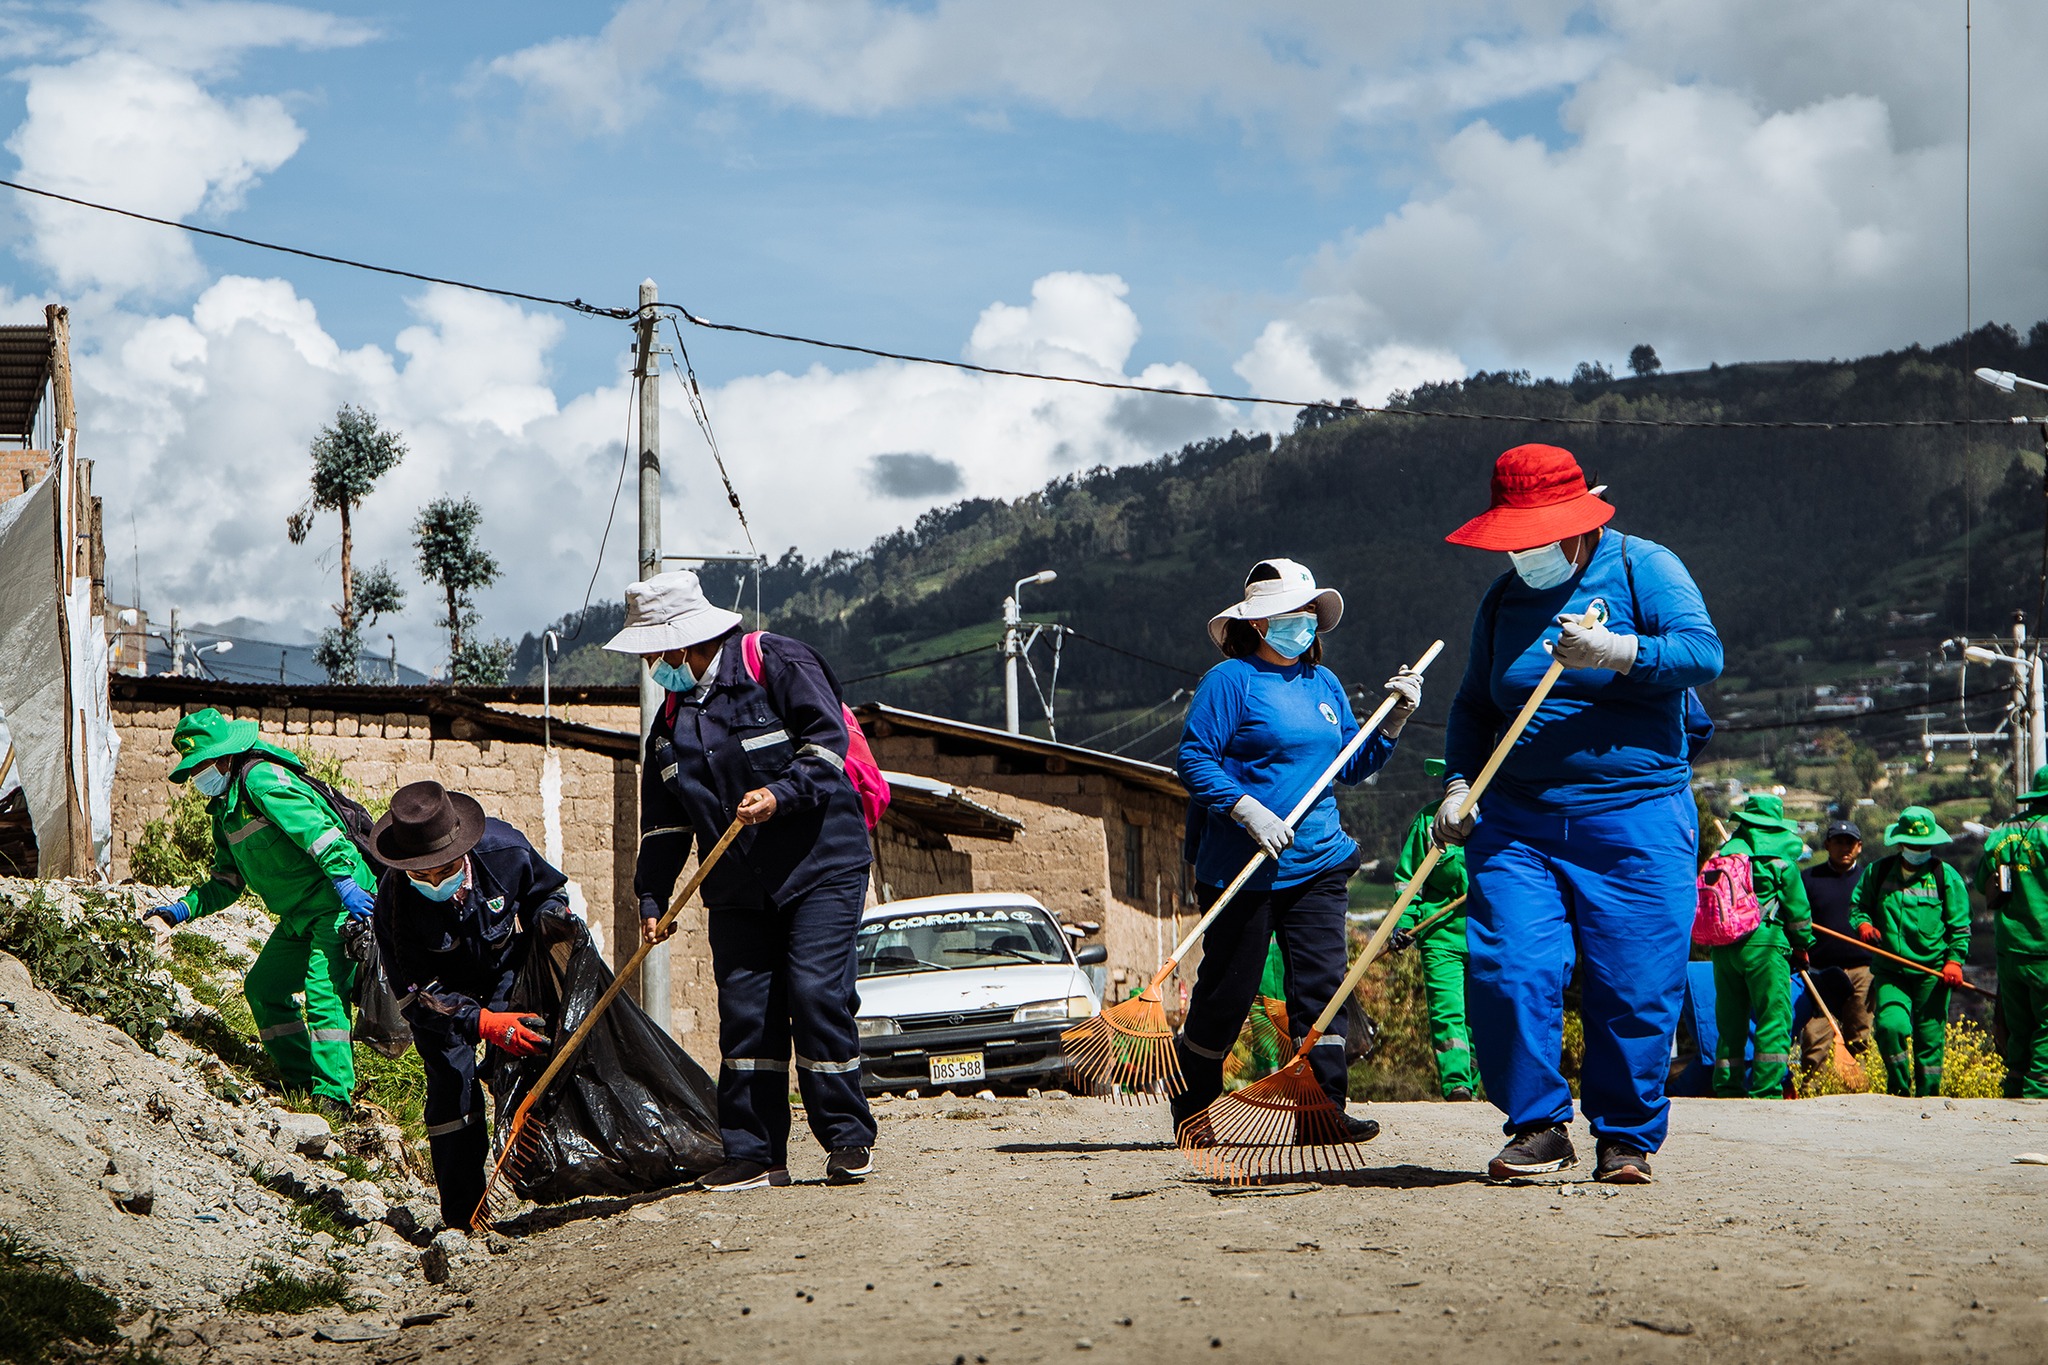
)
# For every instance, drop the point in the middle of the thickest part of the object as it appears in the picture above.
(310, 1046)
(1912, 1031)
(1752, 984)
(2023, 1014)
(1443, 976)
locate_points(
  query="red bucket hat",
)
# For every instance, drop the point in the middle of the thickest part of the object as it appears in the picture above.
(1539, 495)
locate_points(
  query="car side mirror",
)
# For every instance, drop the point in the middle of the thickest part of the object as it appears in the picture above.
(1093, 955)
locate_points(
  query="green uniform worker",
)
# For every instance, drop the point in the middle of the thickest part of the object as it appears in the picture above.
(2013, 875)
(278, 837)
(1443, 948)
(1753, 976)
(1913, 904)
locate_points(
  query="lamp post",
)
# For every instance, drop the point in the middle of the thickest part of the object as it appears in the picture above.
(1013, 644)
(548, 645)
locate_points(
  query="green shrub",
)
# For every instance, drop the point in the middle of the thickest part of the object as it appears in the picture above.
(1403, 1067)
(176, 849)
(1971, 1067)
(277, 1290)
(104, 963)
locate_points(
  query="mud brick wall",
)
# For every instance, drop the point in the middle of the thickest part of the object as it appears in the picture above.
(906, 867)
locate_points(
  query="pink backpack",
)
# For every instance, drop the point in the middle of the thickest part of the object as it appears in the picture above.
(861, 769)
(1728, 907)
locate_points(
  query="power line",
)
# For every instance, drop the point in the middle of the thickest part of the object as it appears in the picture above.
(922, 663)
(1131, 720)
(1131, 654)
(703, 416)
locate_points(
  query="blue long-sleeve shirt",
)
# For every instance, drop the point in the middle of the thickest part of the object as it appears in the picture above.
(1602, 740)
(1268, 731)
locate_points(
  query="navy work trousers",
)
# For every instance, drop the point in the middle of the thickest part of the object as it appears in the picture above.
(1615, 890)
(454, 1116)
(1308, 918)
(786, 980)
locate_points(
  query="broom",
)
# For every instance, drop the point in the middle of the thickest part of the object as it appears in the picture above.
(1286, 1123)
(1847, 1068)
(522, 1142)
(1126, 1051)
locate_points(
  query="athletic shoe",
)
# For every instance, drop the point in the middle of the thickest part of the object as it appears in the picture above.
(848, 1165)
(1620, 1163)
(1534, 1151)
(1458, 1094)
(1353, 1130)
(743, 1175)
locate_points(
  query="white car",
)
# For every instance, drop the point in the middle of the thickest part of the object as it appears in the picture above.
(968, 990)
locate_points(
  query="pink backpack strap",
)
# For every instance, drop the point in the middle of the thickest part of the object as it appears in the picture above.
(750, 653)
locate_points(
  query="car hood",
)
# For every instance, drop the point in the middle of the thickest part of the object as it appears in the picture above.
(969, 988)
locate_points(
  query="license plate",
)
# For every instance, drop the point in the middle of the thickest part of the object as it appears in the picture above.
(953, 1067)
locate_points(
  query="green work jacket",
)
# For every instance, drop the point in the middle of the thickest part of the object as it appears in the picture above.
(1922, 913)
(278, 837)
(2020, 848)
(1446, 882)
(1787, 921)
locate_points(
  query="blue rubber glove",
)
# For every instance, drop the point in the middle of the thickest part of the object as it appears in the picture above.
(359, 902)
(177, 912)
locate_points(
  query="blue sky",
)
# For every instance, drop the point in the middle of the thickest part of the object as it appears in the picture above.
(1301, 199)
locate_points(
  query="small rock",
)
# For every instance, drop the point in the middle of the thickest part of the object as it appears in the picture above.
(1033, 1093)
(130, 1182)
(453, 1242)
(1056, 1095)
(249, 1200)
(434, 1264)
(984, 1094)
(1084, 1344)
(309, 1134)
(910, 1094)
(353, 1330)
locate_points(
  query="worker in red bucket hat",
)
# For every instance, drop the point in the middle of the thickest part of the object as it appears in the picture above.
(1585, 844)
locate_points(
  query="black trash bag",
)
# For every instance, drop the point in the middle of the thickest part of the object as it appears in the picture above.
(379, 1025)
(632, 1113)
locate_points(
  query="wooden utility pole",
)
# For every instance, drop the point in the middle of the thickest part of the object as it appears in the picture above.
(72, 554)
(654, 973)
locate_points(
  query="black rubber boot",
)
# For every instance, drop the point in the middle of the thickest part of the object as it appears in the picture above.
(459, 1159)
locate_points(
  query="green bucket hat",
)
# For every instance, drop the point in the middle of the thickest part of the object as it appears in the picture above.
(2040, 791)
(206, 735)
(1916, 827)
(1434, 767)
(1766, 812)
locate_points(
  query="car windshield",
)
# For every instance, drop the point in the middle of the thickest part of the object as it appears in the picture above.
(941, 940)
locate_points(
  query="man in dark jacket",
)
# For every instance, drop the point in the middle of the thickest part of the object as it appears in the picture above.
(1841, 971)
(466, 899)
(761, 738)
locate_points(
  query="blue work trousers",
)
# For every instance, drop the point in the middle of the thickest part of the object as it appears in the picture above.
(1615, 890)
(786, 980)
(454, 1116)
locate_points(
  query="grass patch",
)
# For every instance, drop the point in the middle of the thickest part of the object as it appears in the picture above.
(398, 1087)
(314, 1216)
(48, 1313)
(275, 1289)
(103, 963)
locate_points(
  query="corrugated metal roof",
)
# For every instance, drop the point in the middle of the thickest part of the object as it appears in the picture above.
(24, 370)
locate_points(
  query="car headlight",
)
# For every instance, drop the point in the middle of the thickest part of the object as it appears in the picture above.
(1045, 1011)
(878, 1026)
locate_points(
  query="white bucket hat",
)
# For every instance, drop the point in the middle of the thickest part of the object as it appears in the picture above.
(1293, 590)
(670, 611)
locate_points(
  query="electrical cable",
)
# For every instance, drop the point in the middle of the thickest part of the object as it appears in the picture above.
(703, 416)
(625, 458)
(922, 663)
(1128, 744)
(1178, 693)
(1131, 654)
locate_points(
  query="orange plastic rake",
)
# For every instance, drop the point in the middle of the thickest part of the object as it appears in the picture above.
(1286, 1124)
(522, 1141)
(1126, 1051)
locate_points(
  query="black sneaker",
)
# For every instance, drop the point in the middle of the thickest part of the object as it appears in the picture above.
(1620, 1163)
(848, 1165)
(744, 1175)
(1534, 1151)
(1459, 1094)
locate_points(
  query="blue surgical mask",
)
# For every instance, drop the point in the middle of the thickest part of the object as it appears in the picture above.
(674, 677)
(1546, 566)
(211, 782)
(1918, 856)
(441, 890)
(1291, 635)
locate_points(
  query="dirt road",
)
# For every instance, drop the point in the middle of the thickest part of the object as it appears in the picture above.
(1018, 1230)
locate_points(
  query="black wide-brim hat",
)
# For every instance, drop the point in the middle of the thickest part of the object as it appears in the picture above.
(427, 826)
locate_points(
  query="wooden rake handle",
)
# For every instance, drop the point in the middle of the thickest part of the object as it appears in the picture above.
(1438, 918)
(1902, 961)
(1294, 817)
(569, 1049)
(1537, 696)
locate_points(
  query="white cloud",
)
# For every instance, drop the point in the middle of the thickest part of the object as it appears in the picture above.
(208, 36)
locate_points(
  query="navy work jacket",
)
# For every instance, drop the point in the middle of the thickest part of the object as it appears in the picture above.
(450, 959)
(727, 736)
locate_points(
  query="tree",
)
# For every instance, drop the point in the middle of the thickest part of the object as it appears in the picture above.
(348, 459)
(1590, 372)
(450, 557)
(340, 651)
(1643, 361)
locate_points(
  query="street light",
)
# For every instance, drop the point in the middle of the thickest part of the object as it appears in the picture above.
(1013, 644)
(2005, 381)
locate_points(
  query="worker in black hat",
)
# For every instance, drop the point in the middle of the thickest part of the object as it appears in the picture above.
(465, 900)
(1841, 971)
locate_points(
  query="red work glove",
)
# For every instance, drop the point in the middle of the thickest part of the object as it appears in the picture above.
(1799, 960)
(1868, 932)
(1953, 974)
(516, 1034)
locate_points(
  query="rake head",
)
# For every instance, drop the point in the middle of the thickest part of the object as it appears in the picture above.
(1281, 1125)
(501, 1195)
(1126, 1052)
(1263, 1038)
(1848, 1069)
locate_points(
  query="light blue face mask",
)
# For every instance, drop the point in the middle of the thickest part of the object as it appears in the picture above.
(1918, 856)
(211, 782)
(1546, 566)
(673, 677)
(1291, 635)
(443, 890)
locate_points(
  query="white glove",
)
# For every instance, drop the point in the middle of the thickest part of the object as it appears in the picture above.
(1447, 829)
(1407, 689)
(1584, 646)
(1268, 829)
